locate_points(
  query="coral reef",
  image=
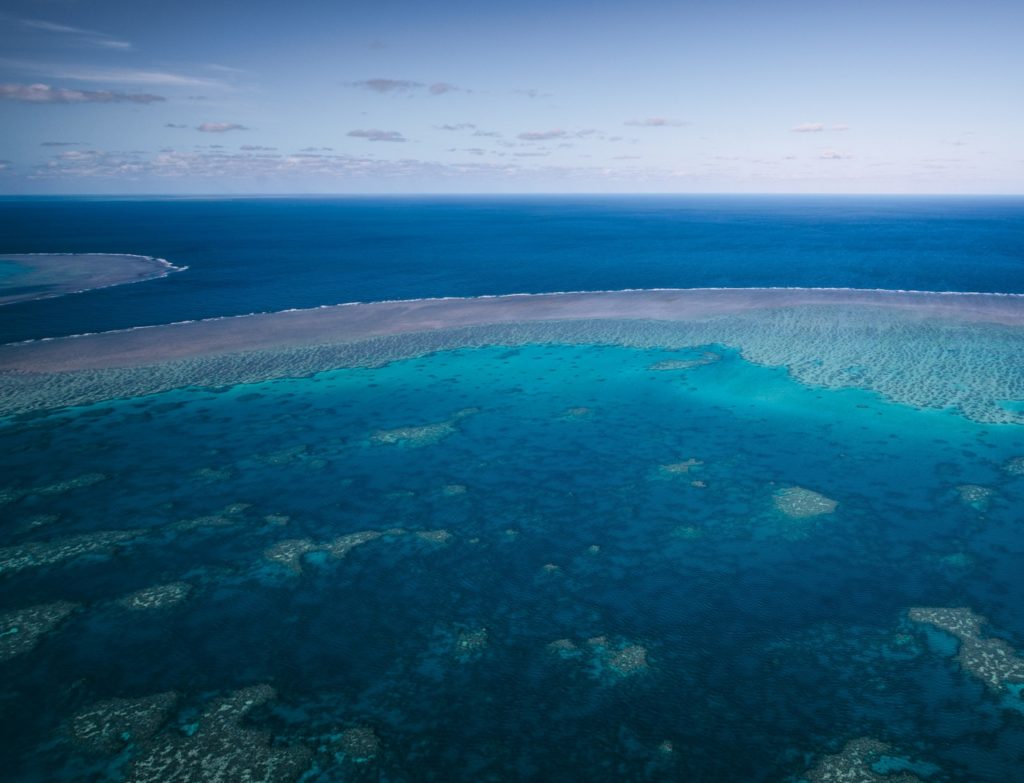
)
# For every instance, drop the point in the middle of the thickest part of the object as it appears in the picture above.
(679, 468)
(14, 494)
(290, 552)
(629, 660)
(21, 629)
(991, 660)
(604, 658)
(424, 434)
(1015, 466)
(435, 536)
(800, 503)
(221, 749)
(579, 412)
(470, 643)
(975, 496)
(212, 475)
(40, 553)
(341, 546)
(854, 764)
(926, 350)
(708, 357)
(108, 726)
(229, 515)
(156, 597)
(358, 744)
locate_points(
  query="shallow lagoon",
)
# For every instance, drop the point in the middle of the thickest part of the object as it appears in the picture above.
(619, 596)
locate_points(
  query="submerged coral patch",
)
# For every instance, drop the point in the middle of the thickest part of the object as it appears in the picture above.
(359, 744)
(221, 748)
(975, 496)
(40, 553)
(679, 468)
(108, 726)
(470, 643)
(604, 658)
(856, 763)
(156, 597)
(14, 494)
(993, 661)
(422, 435)
(22, 629)
(800, 503)
(708, 357)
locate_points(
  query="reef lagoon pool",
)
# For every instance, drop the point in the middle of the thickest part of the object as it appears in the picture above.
(550, 549)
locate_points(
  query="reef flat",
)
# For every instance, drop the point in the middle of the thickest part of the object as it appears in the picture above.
(924, 349)
(46, 275)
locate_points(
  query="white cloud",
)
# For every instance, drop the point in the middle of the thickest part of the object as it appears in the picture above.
(818, 127)
(831, 154)
(91, 37)
(44, 93)
(405, 86)
(85, 73)
(656, 122)
(557, 133)
(373, 134)
(220, 127)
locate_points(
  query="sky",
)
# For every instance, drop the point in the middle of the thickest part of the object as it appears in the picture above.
(460, 96)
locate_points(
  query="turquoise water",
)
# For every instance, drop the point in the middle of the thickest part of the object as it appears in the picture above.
(9, 269)
(606, 587)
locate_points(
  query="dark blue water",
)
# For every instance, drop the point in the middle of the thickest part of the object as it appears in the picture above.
(271, 254)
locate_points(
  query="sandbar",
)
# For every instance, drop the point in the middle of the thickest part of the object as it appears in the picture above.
(46, 275)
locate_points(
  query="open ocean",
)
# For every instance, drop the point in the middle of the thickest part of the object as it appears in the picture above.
(552, 561)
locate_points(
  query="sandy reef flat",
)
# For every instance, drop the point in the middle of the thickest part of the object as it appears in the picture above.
(940, 350)
(46, 275)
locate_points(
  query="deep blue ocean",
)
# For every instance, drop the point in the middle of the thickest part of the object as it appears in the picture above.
(550, 562)
(247, 255)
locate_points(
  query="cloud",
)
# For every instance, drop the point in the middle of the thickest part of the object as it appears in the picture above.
(44, 93)
(818, 127)
(834, 155)
(456, 127)
(192, 167)
(531, 93)
(490, 134)
(90, 37)
(175, 125)
(557, 133)
(220, 127)
(543, 135)
(256, 148)
(656, 122)
(405, 86)
(440, 88)
(59, 143)
(373, 134)
(388, 85)
(84, 73)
